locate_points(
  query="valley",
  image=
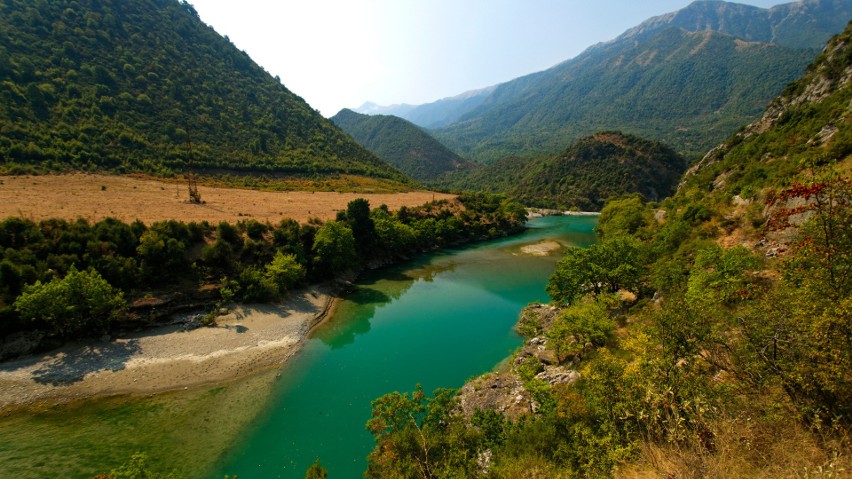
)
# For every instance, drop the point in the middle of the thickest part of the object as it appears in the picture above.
(201, 275)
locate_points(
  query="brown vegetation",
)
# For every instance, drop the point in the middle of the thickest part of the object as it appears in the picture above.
(95, 197)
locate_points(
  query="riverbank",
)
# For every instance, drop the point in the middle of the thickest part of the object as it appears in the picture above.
(249, 339)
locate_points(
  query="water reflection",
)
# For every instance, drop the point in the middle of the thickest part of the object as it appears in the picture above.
(353, 315)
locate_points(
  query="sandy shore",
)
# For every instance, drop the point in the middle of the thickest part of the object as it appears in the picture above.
(251, 338)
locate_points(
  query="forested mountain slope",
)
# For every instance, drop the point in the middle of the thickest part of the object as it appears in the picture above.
(689, 79)
(401, 144)
(145, 85)
(595, 168)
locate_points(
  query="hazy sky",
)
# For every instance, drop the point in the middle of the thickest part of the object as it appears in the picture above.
(341, 53)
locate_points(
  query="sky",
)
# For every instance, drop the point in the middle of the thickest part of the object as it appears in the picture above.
(341, 53)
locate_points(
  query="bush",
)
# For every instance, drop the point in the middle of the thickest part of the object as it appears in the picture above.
(284, 272)
(79, 302)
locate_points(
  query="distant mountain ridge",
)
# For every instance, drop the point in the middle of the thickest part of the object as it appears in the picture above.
(145, 85)
(805, 24)
(688, 89)
(401, 144)
(689, 78)
(435, 114)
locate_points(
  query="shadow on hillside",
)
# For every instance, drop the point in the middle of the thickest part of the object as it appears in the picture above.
(68, 369)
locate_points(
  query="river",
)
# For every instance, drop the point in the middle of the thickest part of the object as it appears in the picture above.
(437, 321)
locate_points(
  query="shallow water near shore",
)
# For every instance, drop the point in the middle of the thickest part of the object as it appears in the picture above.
(437, 321)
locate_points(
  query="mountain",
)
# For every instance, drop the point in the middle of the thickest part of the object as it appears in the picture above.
(805, 24)
(370, 108)
(145, 85)
(721, 333)
(435, 114)
(595, 168)
(805, 129)
(672, 78)
(401, 144)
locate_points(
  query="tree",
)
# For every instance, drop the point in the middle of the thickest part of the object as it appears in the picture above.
(284, 272)
(363, 229)
(395, 237)
(623, 216)
(613, 264)
(316, 471)
(334, 248)
(587, 321)
(418, 436)
(80, 301)
(801, 335)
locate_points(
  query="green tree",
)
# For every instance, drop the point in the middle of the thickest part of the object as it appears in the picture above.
(395, 237)
(585, 321)
(624, 216)
(606, 267)
(80, 301)
(363, 229)
(421, 437)
(334, 248)
(284, 272)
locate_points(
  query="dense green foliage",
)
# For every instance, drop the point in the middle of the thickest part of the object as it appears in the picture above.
(418, 436)
(145, 85)
(81, 300)
(401, 144)
(70, 277)
(586, 174)
(687, 89)
(739, 363)
(605, 267)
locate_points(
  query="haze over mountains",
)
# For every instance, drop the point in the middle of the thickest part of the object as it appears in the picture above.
(689, 78)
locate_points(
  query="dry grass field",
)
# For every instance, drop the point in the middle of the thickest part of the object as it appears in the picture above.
(95, 197)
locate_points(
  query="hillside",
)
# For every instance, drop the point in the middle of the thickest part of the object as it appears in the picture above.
(595, 168)
(145, 85)
(401, 144)
(806, 127)
(688, 79)
(706, 335)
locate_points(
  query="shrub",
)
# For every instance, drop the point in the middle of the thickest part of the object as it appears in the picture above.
(80, 301)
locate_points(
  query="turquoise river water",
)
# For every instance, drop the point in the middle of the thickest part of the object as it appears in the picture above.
(437, 321)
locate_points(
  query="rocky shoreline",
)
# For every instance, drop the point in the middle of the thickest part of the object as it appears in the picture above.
(504, 391)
